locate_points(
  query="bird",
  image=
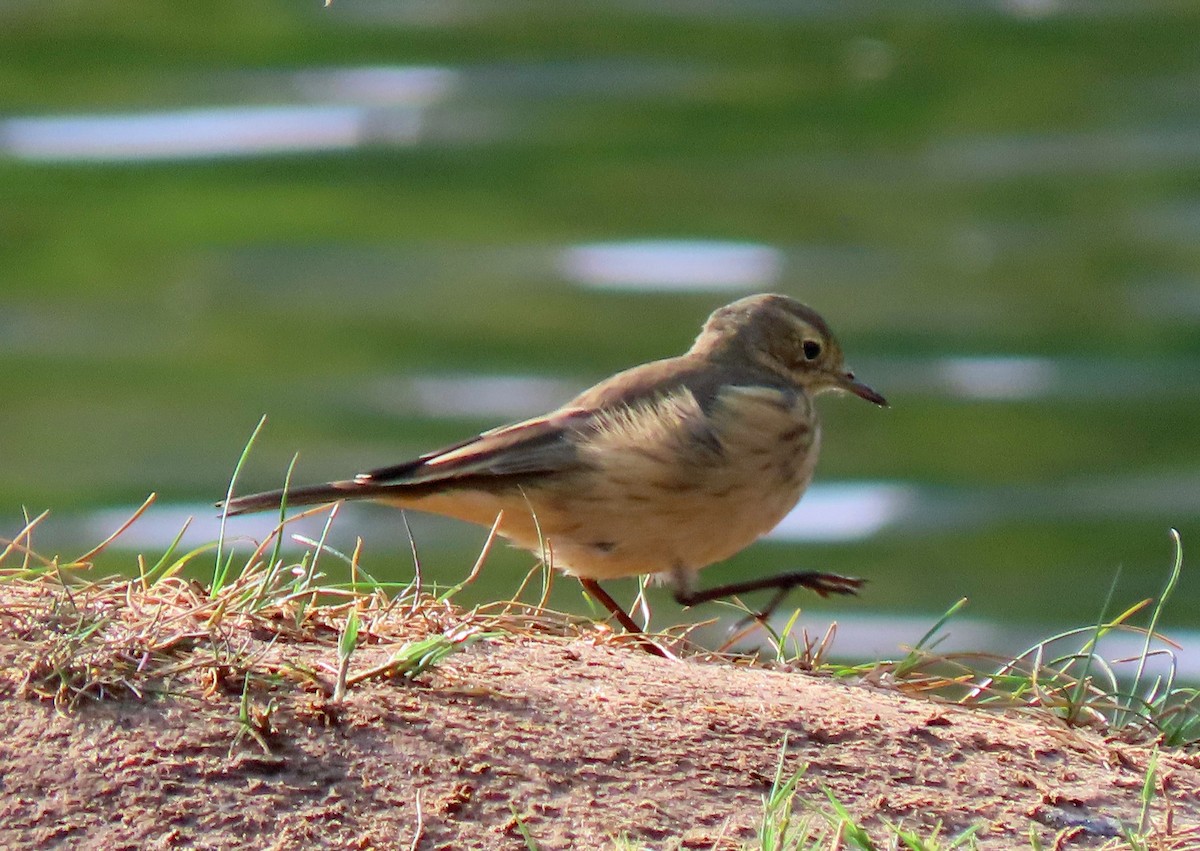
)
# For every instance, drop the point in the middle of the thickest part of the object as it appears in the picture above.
(662, 469)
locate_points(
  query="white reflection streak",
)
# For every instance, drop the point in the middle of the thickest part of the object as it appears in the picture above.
(186, 134)
(675, 265)
(845, 512)
(1000, 377)
(158, 526)
(356, 105)
(411, 85)
(498, 396)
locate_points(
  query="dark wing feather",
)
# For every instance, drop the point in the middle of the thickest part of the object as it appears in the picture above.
(296, 497)
(540, 445)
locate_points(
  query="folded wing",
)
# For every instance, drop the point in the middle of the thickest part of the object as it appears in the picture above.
(534, 447)
(541, 445)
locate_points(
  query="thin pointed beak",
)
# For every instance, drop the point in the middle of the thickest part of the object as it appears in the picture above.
(862, 391)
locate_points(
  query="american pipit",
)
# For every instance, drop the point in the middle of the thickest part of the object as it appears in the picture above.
(664, 468)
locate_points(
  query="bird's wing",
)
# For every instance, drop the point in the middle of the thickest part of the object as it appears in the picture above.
(548, 443)
(544, 444)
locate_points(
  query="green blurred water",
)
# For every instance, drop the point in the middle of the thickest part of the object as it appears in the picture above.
(943, 180)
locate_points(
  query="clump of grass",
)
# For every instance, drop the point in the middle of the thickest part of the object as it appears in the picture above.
(79, 637)
(791, 823)
(1064, 674)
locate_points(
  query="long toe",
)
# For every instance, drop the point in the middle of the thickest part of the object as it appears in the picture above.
(833, 583)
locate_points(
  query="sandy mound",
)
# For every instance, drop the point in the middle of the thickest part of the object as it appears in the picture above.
(583, 738)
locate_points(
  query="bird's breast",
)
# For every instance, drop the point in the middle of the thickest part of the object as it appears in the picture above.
(676, 485)
(771, 440)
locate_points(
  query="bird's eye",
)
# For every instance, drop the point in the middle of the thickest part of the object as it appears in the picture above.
(812, 349)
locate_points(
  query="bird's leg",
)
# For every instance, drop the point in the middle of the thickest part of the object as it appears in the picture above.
(822, 583)
(603, 598)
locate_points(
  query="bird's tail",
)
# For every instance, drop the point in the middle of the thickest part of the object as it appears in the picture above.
(298, 497)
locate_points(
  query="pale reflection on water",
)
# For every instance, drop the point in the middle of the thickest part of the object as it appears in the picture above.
(341, 109)
(673, 265)
(492, 397)
(188, 134)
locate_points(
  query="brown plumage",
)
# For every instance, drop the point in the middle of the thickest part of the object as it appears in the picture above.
(664, 468)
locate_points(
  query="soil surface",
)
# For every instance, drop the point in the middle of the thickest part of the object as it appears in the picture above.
(582, 736)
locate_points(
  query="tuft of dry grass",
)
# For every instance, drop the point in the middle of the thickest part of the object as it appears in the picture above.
(76, 637)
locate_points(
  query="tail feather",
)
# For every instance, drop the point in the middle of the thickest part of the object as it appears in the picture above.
(297, 497)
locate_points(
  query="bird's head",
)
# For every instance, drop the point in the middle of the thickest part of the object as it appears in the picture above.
(785, 337)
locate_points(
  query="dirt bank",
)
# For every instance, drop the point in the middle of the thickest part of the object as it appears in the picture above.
(585, 739)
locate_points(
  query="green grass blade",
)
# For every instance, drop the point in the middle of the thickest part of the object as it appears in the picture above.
(222, 570)
(152, 575)
(852, 831)
(530, 842)
(1089, 654)
(273, 564)
(1168, 590)
(347, 643)
(914, 656)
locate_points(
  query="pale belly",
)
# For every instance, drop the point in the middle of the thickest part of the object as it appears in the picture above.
(643, 512)
(688, 532)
